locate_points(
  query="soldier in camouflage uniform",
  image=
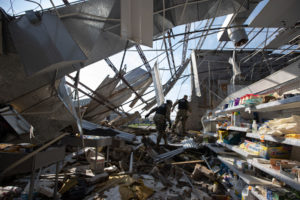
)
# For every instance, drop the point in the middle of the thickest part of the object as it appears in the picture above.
(161, 117)
(182, 113)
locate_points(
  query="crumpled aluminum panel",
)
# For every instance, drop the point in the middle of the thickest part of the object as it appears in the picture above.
(43, 44)
(185, 144)
(119, 134)
(48, 110)
(96, 43)
(15, 120)
(137, 78)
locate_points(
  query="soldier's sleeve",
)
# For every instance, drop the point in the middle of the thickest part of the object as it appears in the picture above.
(151, 111)
(176, 102)
(168, 115)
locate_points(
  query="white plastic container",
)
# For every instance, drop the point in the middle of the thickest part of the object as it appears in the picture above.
(254, 127)
(97, 166)
(245, 193)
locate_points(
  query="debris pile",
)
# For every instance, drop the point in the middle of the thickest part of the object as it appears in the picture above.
(125, 170)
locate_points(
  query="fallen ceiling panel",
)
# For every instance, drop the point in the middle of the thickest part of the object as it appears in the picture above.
(100, 39)
(284, 37)
(44, 43)
(278, 13)
(170, 83)
(157, 85)
(48, 110)
(137, 21)
(195, 74)
(137, 78)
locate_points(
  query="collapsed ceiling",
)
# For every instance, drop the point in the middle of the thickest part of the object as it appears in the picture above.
(40, 48)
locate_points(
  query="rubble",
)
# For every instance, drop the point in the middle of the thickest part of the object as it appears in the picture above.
(132, 170)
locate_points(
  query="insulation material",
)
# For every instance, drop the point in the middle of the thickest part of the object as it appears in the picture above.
(235, 68)
(157, 85)
(195, 74)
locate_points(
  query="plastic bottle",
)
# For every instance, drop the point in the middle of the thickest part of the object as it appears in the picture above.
(254, 127)
(236, 119)
(245, 193)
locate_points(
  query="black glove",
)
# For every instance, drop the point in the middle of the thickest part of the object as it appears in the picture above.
(146, 116)
(170, 125)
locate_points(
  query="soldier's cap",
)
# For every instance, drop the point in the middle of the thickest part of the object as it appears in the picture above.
(169, 102)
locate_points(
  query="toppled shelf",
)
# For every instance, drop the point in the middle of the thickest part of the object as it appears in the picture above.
(89, 141)
(283, 140)
(258, 196)
(249, 179)
(292, 102)
(235, 128)
(236, 149)
(39, 160)
(267, 169)
(212, 134)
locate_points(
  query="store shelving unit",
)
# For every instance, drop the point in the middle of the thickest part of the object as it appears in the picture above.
(237, 149)
(292, 104)
(219, 150)
(288, 103)
(231, 109)
(258, 196)
(249, 179)
(235, 128)
(282, 140)
(275, 173)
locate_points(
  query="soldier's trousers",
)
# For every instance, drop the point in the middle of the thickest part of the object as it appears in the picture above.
(161, 125)
(181, 116)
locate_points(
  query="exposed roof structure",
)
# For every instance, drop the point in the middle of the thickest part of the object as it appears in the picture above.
(40, 48)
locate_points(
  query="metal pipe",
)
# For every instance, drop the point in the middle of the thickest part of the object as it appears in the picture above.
(124, 54)
(203, 30)
(57, 13)
(106, 103)
(123, 79)
(167, 54)
(254, 53)
(172, 55)
(100, 102)
(177, 6)
(212, 21)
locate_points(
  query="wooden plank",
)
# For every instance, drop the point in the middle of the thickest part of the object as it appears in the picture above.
(32, 154)
(187, 162)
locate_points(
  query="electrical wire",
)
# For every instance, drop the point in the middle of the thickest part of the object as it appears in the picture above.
(39, 4)
(12, 7)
